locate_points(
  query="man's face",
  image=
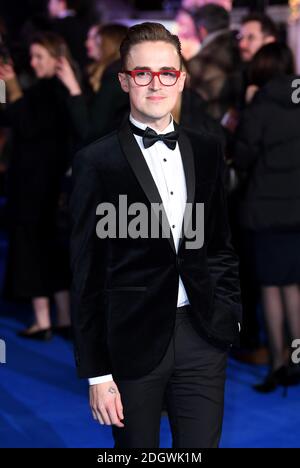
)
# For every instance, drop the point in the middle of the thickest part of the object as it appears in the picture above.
(252, 39)
(154, 102)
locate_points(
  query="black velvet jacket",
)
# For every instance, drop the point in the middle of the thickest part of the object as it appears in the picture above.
(124, 293)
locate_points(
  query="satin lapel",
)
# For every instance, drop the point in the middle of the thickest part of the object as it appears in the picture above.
(141, 170)
(187, 157)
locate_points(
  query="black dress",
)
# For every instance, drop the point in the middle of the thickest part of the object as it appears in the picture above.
(277, 257)
(38, 263)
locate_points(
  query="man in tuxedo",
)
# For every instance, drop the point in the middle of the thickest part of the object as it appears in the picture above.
(154, 314)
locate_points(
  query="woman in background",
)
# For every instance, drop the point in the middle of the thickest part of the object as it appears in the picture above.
(102, 111)
(38, 265)
(102, 45)
(268, 149)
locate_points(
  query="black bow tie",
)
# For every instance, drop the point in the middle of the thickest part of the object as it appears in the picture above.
(150, 137)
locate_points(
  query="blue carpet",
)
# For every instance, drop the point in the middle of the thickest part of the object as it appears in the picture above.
(43, 404)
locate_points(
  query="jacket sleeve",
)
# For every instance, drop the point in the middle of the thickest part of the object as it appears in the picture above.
(88, 264)
(222, 259)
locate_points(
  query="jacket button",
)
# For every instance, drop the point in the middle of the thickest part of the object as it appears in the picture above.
(179, 261)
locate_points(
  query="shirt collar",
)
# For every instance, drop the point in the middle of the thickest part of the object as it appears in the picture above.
(169, 128)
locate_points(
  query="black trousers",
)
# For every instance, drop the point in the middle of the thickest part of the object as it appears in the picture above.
(190, 378)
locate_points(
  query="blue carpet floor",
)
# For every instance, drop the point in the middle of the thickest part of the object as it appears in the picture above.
(43, 404)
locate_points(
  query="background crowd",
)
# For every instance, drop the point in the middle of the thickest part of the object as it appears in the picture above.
(60, 67)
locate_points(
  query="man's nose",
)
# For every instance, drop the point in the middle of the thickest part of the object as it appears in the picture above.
(243, 43)
(155, 83)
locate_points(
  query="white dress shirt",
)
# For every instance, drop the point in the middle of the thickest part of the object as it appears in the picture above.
(167, 171)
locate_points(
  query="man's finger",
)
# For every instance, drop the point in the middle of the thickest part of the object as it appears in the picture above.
(99, 418)
(119, 407)
(94, 414)
(104, 416)
(113, 415)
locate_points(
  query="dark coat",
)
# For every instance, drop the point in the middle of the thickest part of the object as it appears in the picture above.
(41, 149)
(125, 291)
(268, 150)
(215, 74)
(194, 115)
(36, 265)
(105, 110)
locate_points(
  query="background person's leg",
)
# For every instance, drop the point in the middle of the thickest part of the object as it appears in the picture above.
(274, 318)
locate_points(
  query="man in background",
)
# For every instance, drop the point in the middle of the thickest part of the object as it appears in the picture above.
(256, 30)
(215, 70)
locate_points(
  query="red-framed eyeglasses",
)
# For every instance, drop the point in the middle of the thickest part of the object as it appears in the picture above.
(144, 77)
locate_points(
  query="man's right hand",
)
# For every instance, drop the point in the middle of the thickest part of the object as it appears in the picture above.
(106, 405)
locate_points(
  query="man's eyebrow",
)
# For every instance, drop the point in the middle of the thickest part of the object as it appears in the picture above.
(142, 68)
(149, 68)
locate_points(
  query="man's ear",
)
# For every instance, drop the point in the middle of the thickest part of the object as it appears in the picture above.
(123, 82)
(181, 81)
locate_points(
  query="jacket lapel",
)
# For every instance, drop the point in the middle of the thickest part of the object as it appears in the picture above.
(187, 157)
(140, 168)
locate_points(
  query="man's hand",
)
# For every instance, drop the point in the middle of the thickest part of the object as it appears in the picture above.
(230, 120)
(106, 405)
(250, 93)
(7, 71)
(13, 88)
